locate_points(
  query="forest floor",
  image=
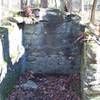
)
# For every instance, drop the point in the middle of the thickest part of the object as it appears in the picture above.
(47, 87)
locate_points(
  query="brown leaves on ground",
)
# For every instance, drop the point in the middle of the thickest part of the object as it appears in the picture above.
(50, 87)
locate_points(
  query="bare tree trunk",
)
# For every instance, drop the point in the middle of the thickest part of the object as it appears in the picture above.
(82, 6)
(68, 5)
(82, 10)
(44, 3)
(59, 4)
(0, 11)
(71, 6)
(51, 3)
(55, 3)
(92, 19)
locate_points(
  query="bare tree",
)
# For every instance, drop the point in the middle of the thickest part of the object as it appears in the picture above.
(59, 4)
(92, 19)
(82, 6)
(82, 9)
(68, 4)
(44, 3)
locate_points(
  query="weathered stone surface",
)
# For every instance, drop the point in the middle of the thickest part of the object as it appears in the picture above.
(49, 46)
(53, 15)
(29, 85)
(73, 17)
(91, 71)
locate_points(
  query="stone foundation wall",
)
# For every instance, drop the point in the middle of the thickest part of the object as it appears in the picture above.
(90, 74)
(44, 47)
(50, 47)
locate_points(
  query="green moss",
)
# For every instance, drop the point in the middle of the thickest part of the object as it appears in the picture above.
(8, 83)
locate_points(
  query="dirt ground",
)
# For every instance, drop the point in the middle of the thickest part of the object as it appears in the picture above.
(49, 87)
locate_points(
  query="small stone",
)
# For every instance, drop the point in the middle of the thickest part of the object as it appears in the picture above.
(61, 53)
(64, 41)
(29, 85)
(45, 33)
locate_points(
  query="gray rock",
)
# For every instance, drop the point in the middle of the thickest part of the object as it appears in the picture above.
(73, 17)
(49, 45)
(16, 19)
(29, 85)
(51, 16)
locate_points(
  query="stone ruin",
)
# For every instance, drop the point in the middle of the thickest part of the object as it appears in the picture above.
(50, 46)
